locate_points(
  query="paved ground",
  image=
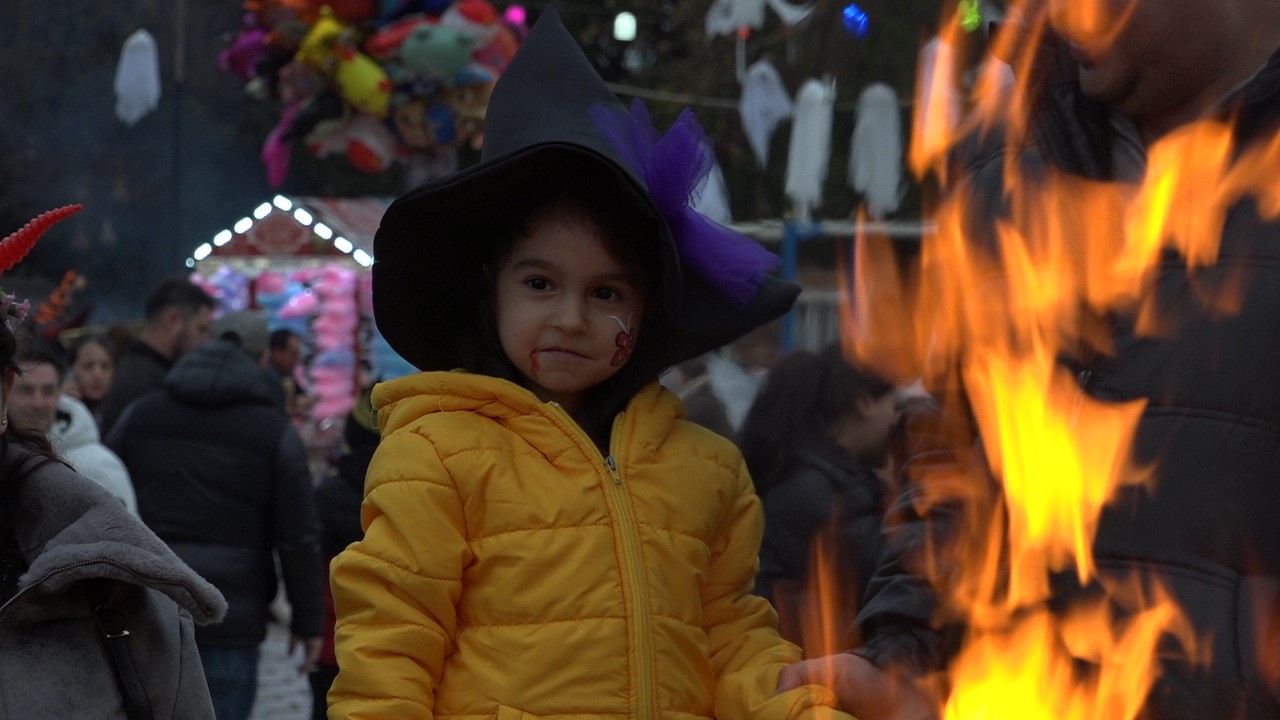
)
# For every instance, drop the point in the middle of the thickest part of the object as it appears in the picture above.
(283, 694)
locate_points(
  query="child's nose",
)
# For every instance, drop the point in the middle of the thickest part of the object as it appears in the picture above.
(571, 316)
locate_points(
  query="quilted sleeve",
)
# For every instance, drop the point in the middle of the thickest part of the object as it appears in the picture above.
(397, 589)
(747, 653)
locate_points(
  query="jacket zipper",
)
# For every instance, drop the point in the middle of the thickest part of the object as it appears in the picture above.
(63, 568)
(633, 566)
(635, 570)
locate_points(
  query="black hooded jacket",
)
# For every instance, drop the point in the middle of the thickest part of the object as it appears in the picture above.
(1207, 527)
(222, 477)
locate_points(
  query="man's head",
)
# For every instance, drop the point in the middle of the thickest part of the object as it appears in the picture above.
(177, 317)
(246, 330)
(286, 350)
(33, 401)
(1165, 62)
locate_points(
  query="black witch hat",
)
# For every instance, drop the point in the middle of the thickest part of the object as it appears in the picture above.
(550, 114)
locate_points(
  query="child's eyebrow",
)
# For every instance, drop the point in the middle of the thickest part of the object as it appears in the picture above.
(536, 263)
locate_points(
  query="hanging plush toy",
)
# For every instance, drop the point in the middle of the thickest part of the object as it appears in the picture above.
(436, 52)
(242, 57)
(422, 125)
(322, 43)
(384, 44)
(469, 103)
(371, 147)
(363, 83)
(476, 18)
(353, 12)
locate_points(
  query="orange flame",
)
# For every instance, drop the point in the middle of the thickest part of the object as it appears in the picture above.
(988, 314)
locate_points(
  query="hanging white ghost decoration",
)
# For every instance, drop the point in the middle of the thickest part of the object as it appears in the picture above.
(137, 82)
(937, 103)
(810, 146)
(729, 16)
(733, 16)
(875, 154)
(764, 104)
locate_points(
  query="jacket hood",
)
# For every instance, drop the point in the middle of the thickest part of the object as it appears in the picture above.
(74, 426)
(400, 402)
(218, 373)
(70, 529)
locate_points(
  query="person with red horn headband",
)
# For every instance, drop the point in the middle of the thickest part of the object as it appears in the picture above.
(96, 612)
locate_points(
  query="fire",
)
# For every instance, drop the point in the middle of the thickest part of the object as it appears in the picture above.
(990, 315)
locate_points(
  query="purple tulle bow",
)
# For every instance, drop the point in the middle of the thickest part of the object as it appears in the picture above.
(673, 168)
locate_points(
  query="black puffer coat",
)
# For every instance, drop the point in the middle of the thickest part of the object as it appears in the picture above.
(222, 477)
(822, 497)
(1207, 529)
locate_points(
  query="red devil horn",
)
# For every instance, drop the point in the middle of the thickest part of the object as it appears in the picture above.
(17, 245)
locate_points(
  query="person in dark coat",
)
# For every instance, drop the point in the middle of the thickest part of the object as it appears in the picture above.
(338, 498)
(1202, 526)
(177, 317)
(222, 477)
(816, 441)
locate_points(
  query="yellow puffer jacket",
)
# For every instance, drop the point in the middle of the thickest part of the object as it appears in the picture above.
(510, 570)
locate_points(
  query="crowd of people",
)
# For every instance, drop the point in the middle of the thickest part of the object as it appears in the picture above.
(534, 525)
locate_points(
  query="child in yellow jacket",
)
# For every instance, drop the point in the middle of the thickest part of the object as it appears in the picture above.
(546, 536)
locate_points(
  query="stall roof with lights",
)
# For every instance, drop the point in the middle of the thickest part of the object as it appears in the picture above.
(297, 230)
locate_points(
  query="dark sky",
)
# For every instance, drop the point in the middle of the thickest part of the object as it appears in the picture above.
(153, 191)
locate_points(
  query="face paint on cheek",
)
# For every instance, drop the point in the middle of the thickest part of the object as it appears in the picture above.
(534, 369)
(625, 341)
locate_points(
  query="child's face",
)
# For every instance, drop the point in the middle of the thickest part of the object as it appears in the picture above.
(568, 312)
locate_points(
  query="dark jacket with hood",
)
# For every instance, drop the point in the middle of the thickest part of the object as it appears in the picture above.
(77, 546)
(222, 477)
(1206, 527)
(821, 496)
(140, 371)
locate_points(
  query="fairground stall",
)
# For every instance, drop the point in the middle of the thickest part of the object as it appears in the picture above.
(303, 262)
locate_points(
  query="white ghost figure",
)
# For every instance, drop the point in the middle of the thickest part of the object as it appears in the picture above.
(810, 146)
(137, 82)
(875, 154)
(764, 104)
(728, 16)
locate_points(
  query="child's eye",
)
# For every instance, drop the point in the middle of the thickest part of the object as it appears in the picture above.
(537, 283)
(608, 293)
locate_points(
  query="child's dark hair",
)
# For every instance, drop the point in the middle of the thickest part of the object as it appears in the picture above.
(632, 237)
(799, 399)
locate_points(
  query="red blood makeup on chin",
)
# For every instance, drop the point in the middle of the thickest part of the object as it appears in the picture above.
(534, 369)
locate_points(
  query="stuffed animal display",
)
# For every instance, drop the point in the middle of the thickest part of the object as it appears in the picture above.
(374, 81)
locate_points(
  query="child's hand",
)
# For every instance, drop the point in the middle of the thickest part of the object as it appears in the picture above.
(864, 690)
(311, 651)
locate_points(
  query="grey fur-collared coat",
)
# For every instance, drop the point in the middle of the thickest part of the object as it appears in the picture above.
(53, 659)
